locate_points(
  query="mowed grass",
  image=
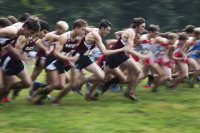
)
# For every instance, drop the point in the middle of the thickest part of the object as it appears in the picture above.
(164, 112)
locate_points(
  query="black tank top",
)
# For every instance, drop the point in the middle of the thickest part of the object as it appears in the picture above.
(30, 44)
(83, 48)
(70, 45)
(119, 44)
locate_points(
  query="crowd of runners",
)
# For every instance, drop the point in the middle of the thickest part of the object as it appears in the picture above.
(136, 53)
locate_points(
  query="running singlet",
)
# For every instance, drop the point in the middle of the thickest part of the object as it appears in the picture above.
(29, 45)
(160, 50)
(194, 52)
(70, 45)
(161, 57)
(178, 52)
(146, 45)
(83, 48)
(115, 60)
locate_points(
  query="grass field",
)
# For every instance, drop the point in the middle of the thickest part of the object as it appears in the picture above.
(165, 112)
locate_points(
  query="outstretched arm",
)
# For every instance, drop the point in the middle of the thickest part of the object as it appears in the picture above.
(102, 47)
(8, 32)
(41, 45)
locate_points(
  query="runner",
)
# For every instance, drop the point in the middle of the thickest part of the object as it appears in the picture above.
(54, 64)
(88, 42)
(114, 62)
(11, 62)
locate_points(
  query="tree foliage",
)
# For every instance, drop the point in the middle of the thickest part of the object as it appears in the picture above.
(169, 14)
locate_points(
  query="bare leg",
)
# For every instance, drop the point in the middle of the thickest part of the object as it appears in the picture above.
(62, 81)
(24, 83)
(184, 73)
(37, 70)
(98, 73)
(144, 73)
(53, 83)
(134, 71)
(9, 81)
(75, 76)
(166, 75)
(1, 84)
(196, 72)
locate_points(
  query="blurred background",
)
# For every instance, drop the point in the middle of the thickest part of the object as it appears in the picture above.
(169, 14)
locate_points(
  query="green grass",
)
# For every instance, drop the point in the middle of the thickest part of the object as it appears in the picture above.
(165, 112)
